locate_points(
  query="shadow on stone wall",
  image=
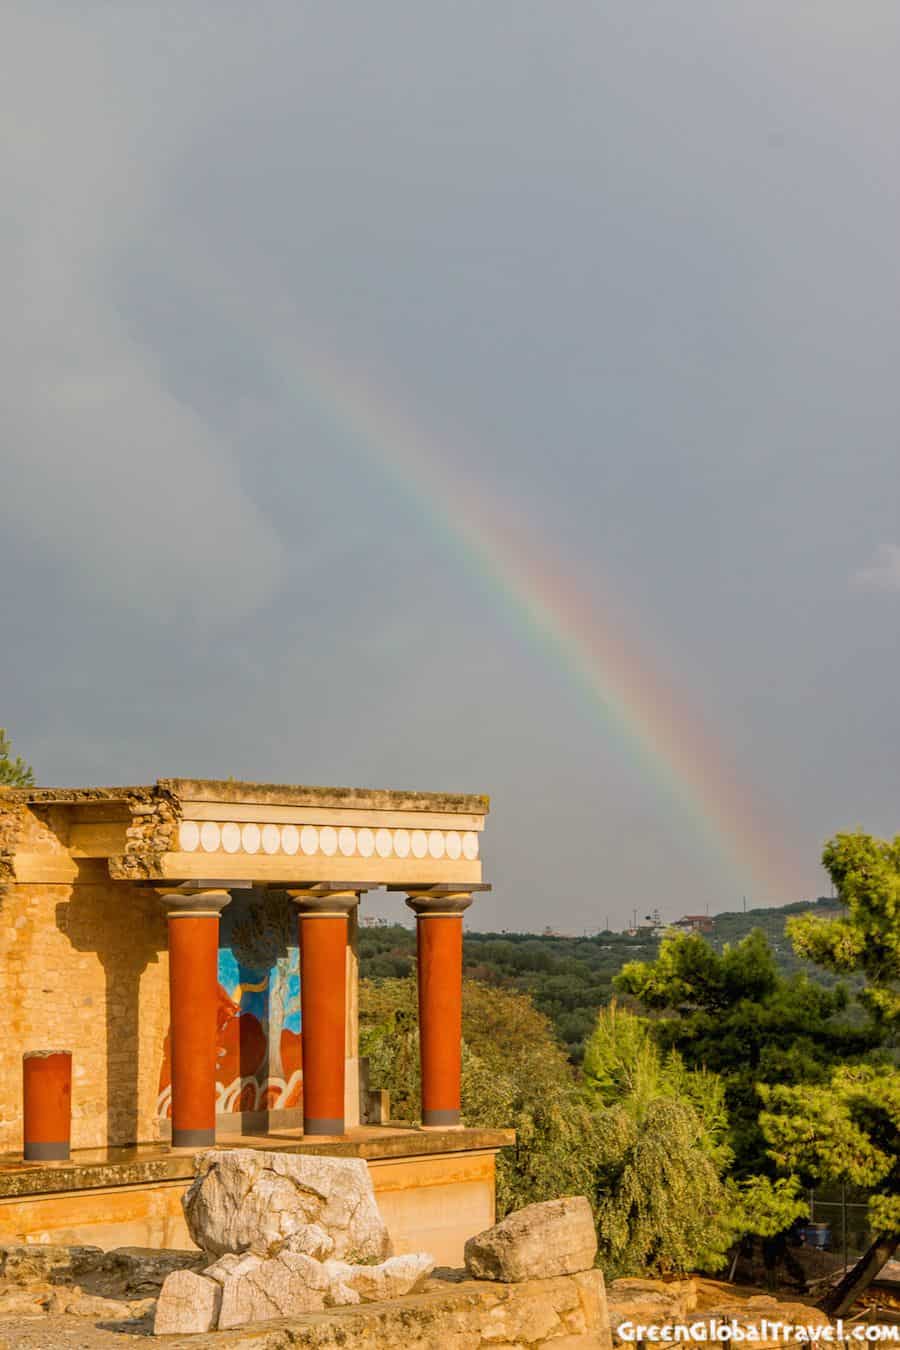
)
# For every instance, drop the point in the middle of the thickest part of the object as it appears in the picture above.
(125, 927)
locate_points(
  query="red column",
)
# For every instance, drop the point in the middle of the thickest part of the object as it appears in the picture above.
(47, 1102)
(193, 999)
(439, 932)
(323, 1005)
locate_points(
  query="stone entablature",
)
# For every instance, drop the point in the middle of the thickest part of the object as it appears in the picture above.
(190, 829)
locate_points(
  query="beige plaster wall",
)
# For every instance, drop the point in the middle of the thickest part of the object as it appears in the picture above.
(428, 1204)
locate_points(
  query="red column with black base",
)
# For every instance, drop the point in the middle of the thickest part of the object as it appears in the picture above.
(47, 1105)
(193, 1001)
(323, 928)
(439, 930)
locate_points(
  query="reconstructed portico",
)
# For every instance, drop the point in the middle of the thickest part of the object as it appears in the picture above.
(182, 940)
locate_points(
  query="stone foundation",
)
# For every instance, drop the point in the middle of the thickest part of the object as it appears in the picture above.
(453, 1313)
(434, 1189)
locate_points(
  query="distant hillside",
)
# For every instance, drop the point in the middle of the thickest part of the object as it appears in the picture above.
(569, 978)
(731, 926)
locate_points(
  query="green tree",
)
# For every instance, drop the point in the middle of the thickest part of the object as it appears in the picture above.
(848, 1128)
(736, 1015)
(515, 1075)
(866, 938)
(664, 1207)
(14, 772)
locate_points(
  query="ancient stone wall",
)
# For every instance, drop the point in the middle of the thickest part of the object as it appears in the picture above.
(83, 967)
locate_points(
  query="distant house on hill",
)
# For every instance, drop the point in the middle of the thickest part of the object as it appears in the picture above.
(695, 923)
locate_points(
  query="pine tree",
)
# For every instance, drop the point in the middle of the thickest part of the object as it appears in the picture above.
(14, 772)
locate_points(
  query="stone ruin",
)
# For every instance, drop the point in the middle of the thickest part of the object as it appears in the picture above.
(288, 1234)
(293, 1250)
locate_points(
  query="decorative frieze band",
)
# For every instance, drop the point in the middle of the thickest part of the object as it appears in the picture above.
(210, 836)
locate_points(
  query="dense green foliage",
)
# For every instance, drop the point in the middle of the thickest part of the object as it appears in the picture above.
(568, 978)
(745, 1079)
(864, 938)
(847, 1127)
(515, 1074)
(664, 1207)
(735, 1014)
(14, 772)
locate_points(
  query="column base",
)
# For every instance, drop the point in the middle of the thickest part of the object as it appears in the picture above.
(335, 1125)
(440, 1119)
(47, 1152)
(193, 1138)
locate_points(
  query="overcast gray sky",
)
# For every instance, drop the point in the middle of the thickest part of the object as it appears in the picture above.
(629, 270)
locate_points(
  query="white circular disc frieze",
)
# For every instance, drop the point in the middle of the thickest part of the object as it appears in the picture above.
(231, 837)
(290, 839)
(453, 844)
(347, 841)
(365, 843)
(470, 845)
(271, 838)
(401, 843)
(210, 836)
(436, 843)
(189, 835)
(384, 844)
(309, 840)
(250, 837)
(328, 840)
(419, 843)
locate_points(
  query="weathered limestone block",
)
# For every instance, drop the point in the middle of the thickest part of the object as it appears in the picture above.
(142, 1270)
(24, 1263)
(555, 1237)
(311, 1241)
(449, 1314)
(393, 1278)
(77, 1303)
(248, 1199)
(651, 1302)
(283, 1286)
(289, 1284)
(187, 1303)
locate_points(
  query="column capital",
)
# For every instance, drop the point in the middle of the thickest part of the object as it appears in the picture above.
(327, 899)
(440, 901)
(193, 901)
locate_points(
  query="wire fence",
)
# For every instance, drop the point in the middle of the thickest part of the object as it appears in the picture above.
(831, 1236)
(839, 1222)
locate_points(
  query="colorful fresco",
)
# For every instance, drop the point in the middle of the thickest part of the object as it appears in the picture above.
(259, 1040)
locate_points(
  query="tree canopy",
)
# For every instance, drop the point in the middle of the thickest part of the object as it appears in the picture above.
(736, 1015)
(663, 1205)
(14, 772)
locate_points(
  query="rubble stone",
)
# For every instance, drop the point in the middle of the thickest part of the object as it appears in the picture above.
(291, 1283)
(555, 1237)
(248, 1199)
(188, 1303)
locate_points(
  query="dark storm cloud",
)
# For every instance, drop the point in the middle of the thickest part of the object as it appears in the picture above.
(635, 266)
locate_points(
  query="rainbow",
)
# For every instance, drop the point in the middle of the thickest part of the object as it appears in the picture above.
(589, 640)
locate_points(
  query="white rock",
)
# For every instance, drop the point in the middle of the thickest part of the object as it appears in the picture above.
(555, 1237)
(231, 1265)
(292, 1283)
(243, 1199)
(393, 1278)
(284, 1286)
(311, 1241)
(187, 1303)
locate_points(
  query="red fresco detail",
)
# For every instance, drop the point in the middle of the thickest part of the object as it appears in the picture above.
(240, 1045)
(291, 1052)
